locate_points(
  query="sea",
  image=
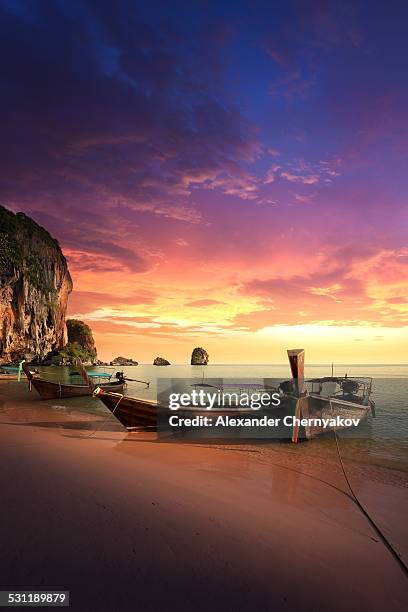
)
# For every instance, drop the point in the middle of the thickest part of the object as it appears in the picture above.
(381, 441)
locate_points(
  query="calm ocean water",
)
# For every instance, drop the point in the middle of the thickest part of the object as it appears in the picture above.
(383, 441)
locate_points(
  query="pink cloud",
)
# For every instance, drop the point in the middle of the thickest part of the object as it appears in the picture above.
(86, 301)
(297, 178)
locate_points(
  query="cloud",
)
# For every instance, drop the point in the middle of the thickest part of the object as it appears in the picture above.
(203, 303)
(299, 40)
(296, 178)
(271, 174)
(305, 199)
(307, 173)
(347, 286)
(147, 326)
(104, 112)
(182, 243)
(242, 185)
(127, 258)
(88, 301)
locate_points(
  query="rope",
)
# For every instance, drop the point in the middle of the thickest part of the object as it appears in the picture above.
(373, 524)
(106, 420)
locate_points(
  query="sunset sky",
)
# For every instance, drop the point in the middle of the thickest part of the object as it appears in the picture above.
(230, 175)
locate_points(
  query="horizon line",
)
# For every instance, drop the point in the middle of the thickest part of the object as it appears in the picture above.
(269, 363)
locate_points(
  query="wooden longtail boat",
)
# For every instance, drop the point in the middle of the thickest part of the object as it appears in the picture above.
(11, 373)
(135, 412)
(131, 412)
(56, 390)
(315, 399)
(10, 376)
(328, 397)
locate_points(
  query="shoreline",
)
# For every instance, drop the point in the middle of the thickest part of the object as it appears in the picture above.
(327, 364)
(122, 520)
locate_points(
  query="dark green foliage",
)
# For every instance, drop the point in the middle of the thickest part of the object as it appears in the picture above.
(24, 248)
(80, 335)
(74, 350)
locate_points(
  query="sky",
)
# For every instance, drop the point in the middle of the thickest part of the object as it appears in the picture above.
(231, 175)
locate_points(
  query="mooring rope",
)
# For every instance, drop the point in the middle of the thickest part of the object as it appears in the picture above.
(373, 524)
(106, 420)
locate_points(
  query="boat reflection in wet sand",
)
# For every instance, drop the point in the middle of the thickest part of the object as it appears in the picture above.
(340, 399)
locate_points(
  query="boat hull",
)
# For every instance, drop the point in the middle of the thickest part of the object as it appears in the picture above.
(5, 376)
(8, 377)
(135, 413)
(131, 412)
(332, 409)
(53, 390)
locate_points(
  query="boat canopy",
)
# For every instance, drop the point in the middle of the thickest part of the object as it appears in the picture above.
(93, 374)
(99, 375)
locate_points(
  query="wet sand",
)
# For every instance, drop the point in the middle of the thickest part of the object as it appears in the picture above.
(125, 522)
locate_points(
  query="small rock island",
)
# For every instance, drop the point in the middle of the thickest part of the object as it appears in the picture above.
(160, 361)
(123, 361)
(199, 356)
(81, 344)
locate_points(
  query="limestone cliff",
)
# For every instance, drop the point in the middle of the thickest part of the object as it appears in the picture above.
(34, 288)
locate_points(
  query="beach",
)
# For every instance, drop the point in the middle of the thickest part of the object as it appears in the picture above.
(126, 522)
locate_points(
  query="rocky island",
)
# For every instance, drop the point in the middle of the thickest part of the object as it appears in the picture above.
(160, 361)
(199, 356)
(123, 361)
(81, 344)
(34, 288)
